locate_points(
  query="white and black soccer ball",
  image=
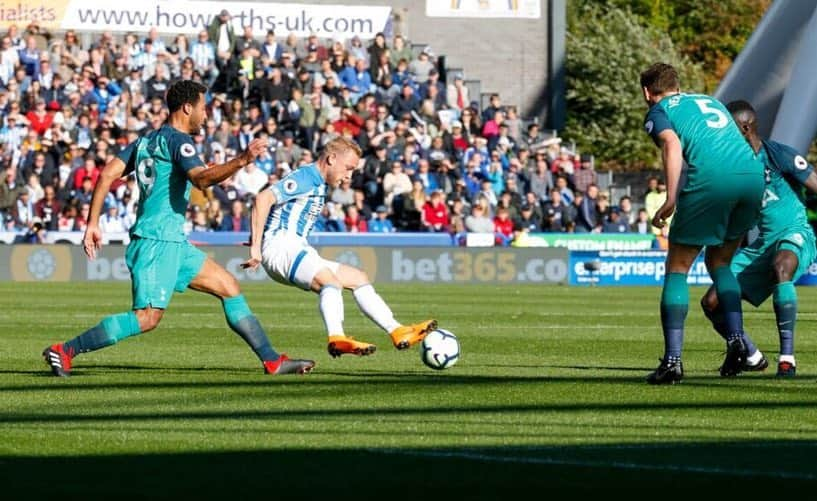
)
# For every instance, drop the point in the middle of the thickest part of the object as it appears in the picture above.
(440, 349)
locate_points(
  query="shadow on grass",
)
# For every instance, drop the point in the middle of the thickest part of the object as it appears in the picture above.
(395, 474)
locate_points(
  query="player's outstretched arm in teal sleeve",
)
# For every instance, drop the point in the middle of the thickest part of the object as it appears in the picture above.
(204, 177)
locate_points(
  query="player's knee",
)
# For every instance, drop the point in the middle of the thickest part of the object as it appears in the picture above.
(783, 269)
(230, 286)
(709, 302)
(359, 278)
(149, 318)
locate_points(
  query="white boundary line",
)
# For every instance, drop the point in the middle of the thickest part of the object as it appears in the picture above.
(596, 464)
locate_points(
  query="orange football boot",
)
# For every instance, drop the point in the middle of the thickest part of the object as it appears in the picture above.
(407, 336)
(342, 345)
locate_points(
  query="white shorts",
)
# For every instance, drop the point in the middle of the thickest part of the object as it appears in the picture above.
(293, 262)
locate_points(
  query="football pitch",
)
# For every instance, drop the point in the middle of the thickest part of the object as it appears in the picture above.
(548, 394)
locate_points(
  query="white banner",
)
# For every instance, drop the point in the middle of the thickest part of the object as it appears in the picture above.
(189, 17)
(521, 9)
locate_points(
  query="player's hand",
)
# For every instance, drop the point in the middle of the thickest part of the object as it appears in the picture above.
(254, 260)
(661, 215)
(92, 241)
(255, 148)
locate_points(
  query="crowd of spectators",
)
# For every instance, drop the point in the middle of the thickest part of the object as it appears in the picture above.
(434, 159)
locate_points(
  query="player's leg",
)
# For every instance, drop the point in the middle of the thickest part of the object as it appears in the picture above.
(329, 288)
(211, 278)
(148, 262)
(785, 266)
(674, 308)
(375, 308)
(727, 288)
(740, 206)
(750, 267)
(713, 311)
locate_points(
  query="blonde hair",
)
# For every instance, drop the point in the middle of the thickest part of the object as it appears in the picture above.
(340, 145)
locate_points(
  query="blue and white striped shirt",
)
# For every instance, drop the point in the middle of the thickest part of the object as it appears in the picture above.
(299, 200)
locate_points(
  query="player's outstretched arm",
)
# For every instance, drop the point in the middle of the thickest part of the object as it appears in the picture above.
(260, 210)
(92, 241)
(204, 177)
(672, 157)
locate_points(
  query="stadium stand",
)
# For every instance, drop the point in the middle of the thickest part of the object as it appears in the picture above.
(435, 145)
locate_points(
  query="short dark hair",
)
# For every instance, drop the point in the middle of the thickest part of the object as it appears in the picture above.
(660, 78)
(184, 92)
(743, 113)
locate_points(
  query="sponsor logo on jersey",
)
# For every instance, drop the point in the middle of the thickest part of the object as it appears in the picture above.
(800, 162)
(649, 125)
(187, 150)
(290, 186)
(797, 239)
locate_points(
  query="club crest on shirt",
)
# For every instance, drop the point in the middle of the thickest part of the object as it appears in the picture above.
(187, 150)
(290, 185)
(800, 163)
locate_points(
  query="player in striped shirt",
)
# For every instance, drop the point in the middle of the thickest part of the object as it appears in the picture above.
(283, 216)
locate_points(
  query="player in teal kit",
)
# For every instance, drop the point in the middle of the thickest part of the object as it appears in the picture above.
(718, 203)
(159, 257)
(784, 248)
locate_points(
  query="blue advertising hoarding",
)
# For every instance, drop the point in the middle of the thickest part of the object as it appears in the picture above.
(639, 268)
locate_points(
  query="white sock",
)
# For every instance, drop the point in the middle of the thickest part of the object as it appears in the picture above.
(331, 306)
(786, 358)
(754, 358)
(373, 306)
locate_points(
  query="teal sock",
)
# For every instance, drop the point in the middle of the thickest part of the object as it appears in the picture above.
(785, 309)
(674, 308)
(728, 290)
(245, 324)
(109, 331)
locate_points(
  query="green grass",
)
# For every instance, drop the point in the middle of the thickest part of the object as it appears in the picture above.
(549, 393)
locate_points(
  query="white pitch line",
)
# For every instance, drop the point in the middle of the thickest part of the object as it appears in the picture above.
(596, 464)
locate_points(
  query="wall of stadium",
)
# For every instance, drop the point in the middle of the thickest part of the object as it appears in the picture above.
(63, 263)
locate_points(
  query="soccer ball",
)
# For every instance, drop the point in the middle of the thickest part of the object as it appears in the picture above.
(440, 349)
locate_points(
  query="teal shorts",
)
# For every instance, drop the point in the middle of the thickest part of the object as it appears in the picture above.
(158, 268)
(718, 212)
(753, 265)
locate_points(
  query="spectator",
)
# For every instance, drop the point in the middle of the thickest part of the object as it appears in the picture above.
(48, 208)
(587, 218)
(625, 209)
(654, 199)
(236, 220)
(354, 222)
(457, 94)
(478, 221)
(381, 223)
(250, 180)
(557, 213)
(221, 33)
(585, 175)
(615, 224)
(435, 213)
(110, 221)
(343, 194)
(643, 224)
(420, 68)
(503, 227)
(527, 221)
(395, 183)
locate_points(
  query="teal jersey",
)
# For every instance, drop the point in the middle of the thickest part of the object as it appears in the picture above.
(712, 144)
(783, 204)
(161, 160)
